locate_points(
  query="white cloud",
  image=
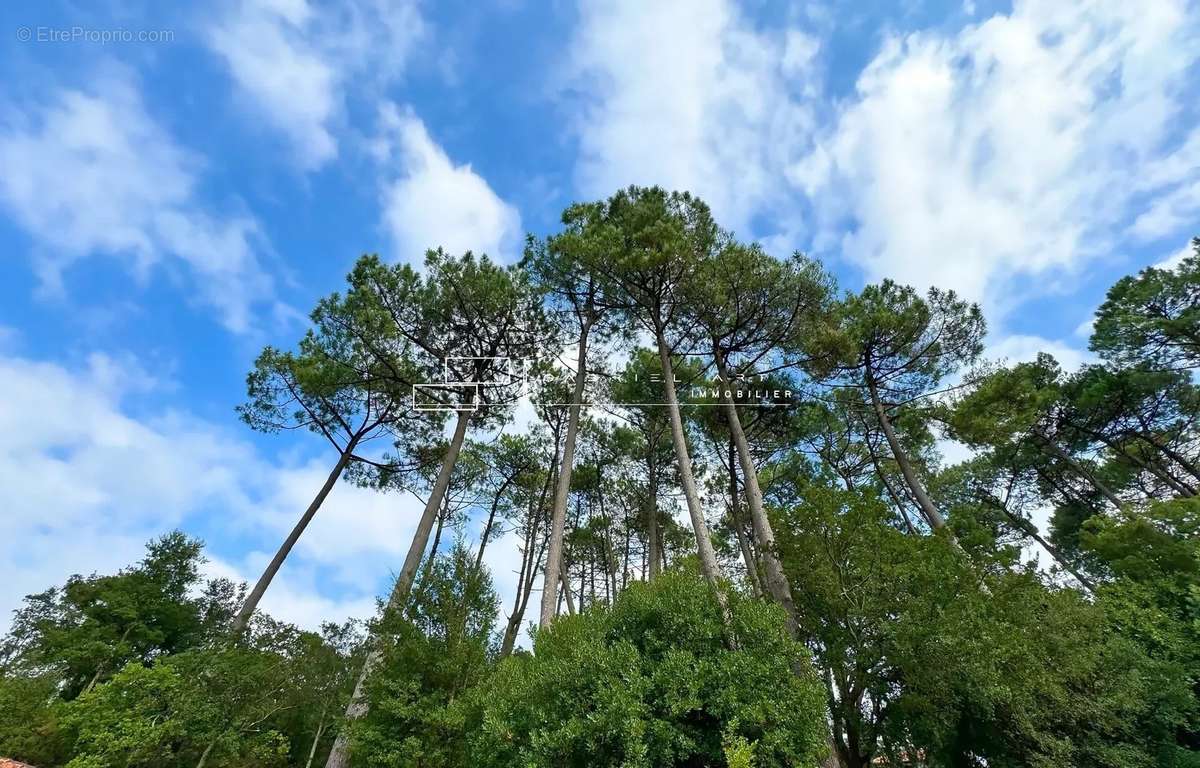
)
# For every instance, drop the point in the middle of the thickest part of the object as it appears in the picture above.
(690, 96)
(428, 201)
(1019, 348)
(1178, 176)
(1014, 147)
(1176, 258)
(87, 485)
(293, 62)
(90, 172)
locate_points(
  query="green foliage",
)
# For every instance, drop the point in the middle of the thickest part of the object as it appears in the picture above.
(1153, 317)
(30, 710)
(92, 626)
(904, 342)
(172, 712)
(650, 682)
(435, 653)
(966, 663)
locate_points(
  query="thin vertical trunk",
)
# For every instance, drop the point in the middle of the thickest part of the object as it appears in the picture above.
(625, 559)
(776, 580)
(704, 547)
(592, 579)
(610, 555)
(339, 755)
(487, 529)
(514, 622)
(437, 542)
(312, 751)
(565, 574)
(652, 540)
(251, 603)
(559, 514)
(926, 504)
(736, 523)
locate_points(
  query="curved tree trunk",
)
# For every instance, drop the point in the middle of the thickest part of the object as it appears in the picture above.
(339, 755)
(704, 547)
(312, 751)
(251, 603)
(926, 504)
(559, 514)
(776, 580)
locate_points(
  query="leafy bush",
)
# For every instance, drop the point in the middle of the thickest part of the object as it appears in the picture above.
(651, 682)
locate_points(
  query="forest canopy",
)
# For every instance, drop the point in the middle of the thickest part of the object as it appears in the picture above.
(741, 538)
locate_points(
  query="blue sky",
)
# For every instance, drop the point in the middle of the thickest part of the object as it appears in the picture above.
(172, 201)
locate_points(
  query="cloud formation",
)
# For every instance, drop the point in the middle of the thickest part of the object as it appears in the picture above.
(88, 485)
(293, 62)
(90, 172)
(428, 201)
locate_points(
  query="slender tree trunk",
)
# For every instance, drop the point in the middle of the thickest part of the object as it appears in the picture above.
(610, 555)
(1148, 435)
(437, 542)
(251, 603)
(704, 547)
(592, 579)
(887, 484)
(102, 666)
(312, 751)
(526, 556)
(926, 504)
(565, 577)
(339, 755)
(559, 515)
(204, 755)
(625, 559)
(735, 522)
(1029, 529)
(652, 539)
(514, 622)
(487, 529)
(776, 580)
(1082, 471)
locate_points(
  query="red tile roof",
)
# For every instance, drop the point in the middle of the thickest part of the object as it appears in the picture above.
(6, 763)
